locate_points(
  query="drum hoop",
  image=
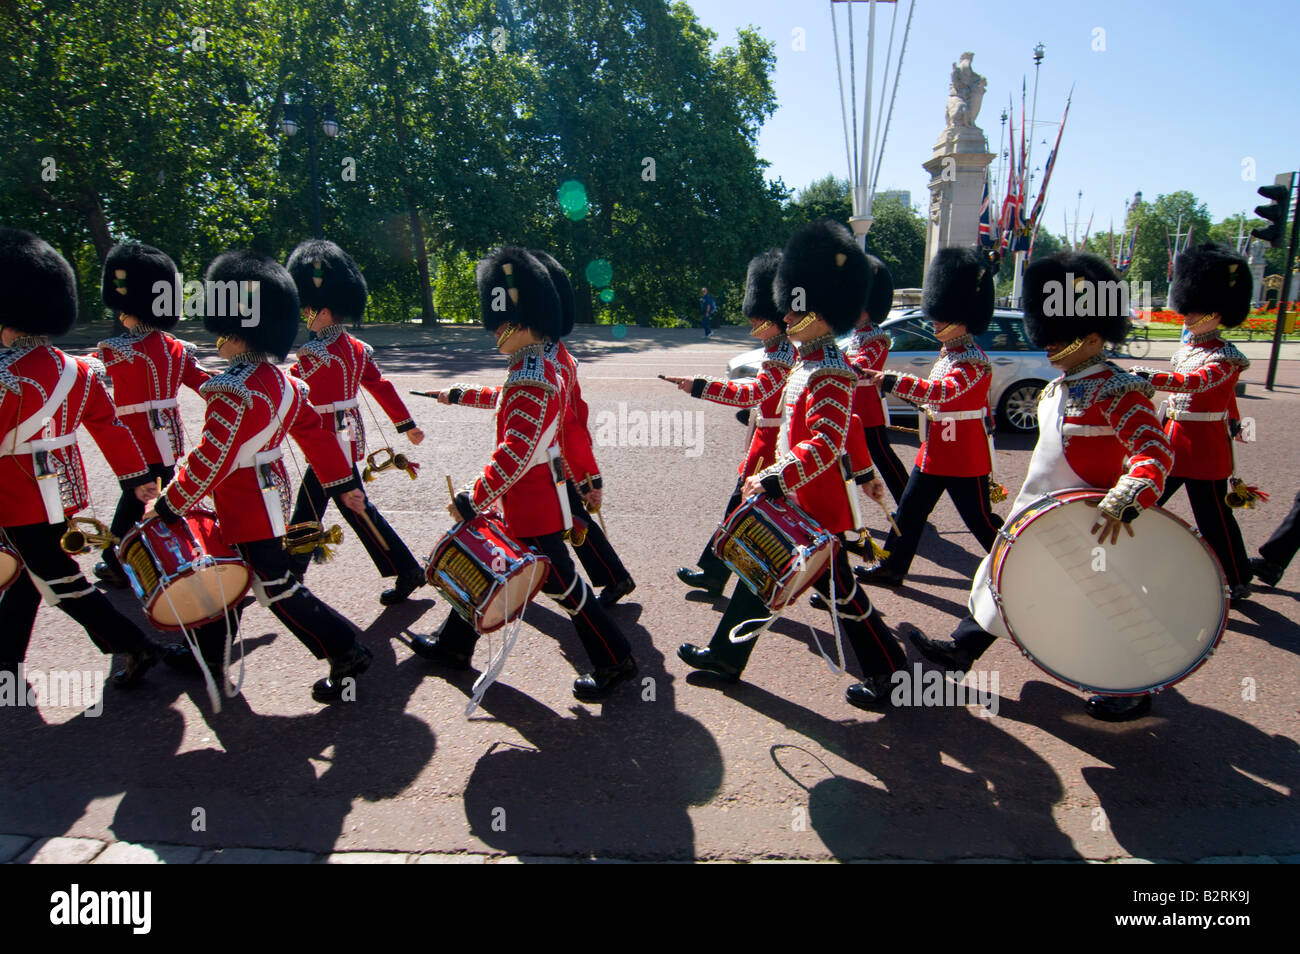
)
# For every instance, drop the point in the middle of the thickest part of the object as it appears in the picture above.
(1003, 543)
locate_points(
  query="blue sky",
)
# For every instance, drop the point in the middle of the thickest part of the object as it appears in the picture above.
(1182, 95)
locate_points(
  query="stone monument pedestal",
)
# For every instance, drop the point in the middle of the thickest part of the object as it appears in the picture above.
(957, 173)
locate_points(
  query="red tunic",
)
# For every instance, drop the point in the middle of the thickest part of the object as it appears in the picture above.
(30, 373)
(867, 352)
(147, 370)
(814, 435)
(252, 406)
(1204, 386)
(1111, 435)
(527, 428)
(336, 365)
(764, 390)
(575, 437)
(955, 401)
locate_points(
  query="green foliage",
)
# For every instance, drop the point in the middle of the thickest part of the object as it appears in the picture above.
(455, 296)
(459, 117)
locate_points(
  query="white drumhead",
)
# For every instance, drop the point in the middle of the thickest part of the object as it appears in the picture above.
(512, 595)
(201, 596)
(1112, 618)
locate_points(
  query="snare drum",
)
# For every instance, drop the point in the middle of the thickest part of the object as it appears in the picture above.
(776, 548)
(183, 573)
(486, 576)
(11, 564)
(1119, 619)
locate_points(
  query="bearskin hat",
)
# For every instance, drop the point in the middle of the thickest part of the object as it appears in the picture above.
(131, 274)
(514, 287)
(563, 287)
(825, 264)
(1097, 302)
(327, 277)
(251, 296)
(881, 298)
(1210, 279)
(959, 289)
(40, 288)
(759, 302)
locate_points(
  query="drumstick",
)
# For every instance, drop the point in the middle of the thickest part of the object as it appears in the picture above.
(451, 490)
(428, 394)
(374, 531)
(599, 512)
(889, 516)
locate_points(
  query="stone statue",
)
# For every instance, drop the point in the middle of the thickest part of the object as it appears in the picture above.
(965, 93)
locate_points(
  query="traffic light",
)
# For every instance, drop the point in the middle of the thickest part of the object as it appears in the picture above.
(1275, 212)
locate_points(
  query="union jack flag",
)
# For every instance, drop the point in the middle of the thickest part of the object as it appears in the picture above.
(987, 236)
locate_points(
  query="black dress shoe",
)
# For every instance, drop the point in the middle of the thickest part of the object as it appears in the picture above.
(428, 647)
(1240, 592)
(591, 686)
(699, 580)
(1270, 574)
(946, 652)
(704, 659)
(405, 587)
(353, 663)
(137, 664)
(112, 575)
(817, 601)
(616, 591)
(1118, 708)
(871, 693)
(179, 657)
(877, 575)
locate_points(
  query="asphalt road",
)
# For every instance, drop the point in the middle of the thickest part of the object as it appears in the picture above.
(675, 766)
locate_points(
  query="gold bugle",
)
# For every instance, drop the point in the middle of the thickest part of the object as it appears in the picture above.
(76, 541)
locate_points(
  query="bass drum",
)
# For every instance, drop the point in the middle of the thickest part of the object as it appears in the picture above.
(1119, 619)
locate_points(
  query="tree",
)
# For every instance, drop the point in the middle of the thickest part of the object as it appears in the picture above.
(1156, 223)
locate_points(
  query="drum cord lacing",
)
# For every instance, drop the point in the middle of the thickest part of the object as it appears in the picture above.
(496, 664)
(192, 642)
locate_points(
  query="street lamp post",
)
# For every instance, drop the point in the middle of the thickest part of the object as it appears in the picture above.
(307, 112)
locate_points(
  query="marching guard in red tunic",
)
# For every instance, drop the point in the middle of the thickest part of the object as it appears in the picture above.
(45, 395)
(332, 291)
(252, 407)
(956, 452)
(526, 473)
(585, 485)
(1096, 428)
(826, 275)
(1211, 290)
(147, 367)
(868, 352)
(762, 391)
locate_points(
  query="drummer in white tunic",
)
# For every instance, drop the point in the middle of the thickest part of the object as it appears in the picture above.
(1097, 428)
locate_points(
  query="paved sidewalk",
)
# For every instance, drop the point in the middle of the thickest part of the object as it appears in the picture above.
(23, 849)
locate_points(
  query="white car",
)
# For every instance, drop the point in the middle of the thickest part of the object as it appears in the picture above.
(1019, 369)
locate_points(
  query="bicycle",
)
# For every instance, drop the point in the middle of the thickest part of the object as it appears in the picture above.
(1136, 345)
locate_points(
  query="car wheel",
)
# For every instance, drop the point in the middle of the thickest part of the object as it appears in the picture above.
(1018, 409)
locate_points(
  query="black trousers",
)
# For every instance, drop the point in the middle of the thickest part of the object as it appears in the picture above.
(319, 628)
(130, 509)
(389, 554)
(38, 545)
(1281, 547)
(872, 641)
(596, 554)
(890, 468)
(709, 561)
(600, 635)
(970, 495)
(1216, 522)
